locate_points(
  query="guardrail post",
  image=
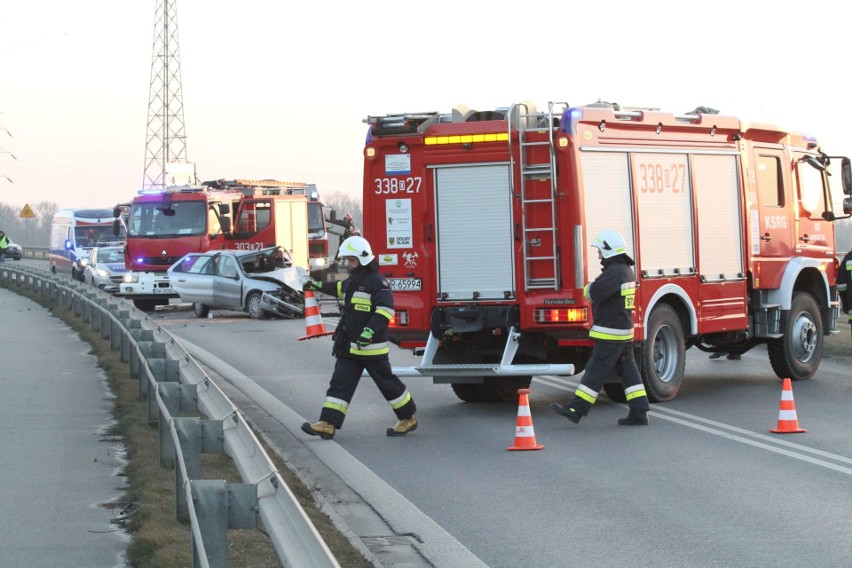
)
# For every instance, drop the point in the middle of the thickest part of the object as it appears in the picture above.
(220, 506)
(127, 338)
(209, 498)
(175, 397)
(138, 335)
(190, 440)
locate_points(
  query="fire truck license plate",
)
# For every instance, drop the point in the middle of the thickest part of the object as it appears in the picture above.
(415, 284)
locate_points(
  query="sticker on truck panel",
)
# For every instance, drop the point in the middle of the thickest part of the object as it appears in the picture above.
(406, 284)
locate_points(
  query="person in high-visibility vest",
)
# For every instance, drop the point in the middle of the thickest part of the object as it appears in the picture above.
(844, 285)
(4, 244)
(361, 342)
(611, 295)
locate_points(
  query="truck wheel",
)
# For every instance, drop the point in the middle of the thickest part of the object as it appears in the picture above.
(201, 310)
(663, 355)
(253, 306)
(797, 354)
(503, 389)
(145, 305)
(467, 392)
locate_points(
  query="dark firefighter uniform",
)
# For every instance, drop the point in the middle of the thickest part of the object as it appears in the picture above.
(612, 295)
(844, 285)
(367, 304)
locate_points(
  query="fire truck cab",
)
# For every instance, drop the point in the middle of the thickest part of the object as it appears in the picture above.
(482, 223)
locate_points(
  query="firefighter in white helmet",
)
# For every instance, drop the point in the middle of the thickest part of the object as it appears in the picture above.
(361, 342)
(611, 295)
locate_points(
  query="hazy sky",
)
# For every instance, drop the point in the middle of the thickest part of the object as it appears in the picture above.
(280, 89)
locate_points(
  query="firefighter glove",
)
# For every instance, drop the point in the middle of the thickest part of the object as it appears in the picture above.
(365, 338)
(311, 284)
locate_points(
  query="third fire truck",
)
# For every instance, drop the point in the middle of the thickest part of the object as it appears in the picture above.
(482, 222)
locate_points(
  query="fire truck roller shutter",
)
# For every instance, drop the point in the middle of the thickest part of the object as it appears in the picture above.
(475, 240)
(609, 206)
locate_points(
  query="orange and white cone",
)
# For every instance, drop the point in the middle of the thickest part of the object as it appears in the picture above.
(313, 319)
(524, 433)
(788, 423)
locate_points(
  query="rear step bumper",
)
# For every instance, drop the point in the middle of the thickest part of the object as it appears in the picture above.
(503, 369)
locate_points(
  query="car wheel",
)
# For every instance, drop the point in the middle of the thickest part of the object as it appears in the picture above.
(253, 306)
(201, 310)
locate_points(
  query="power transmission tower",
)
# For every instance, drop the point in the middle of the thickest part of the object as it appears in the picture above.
(165, 146)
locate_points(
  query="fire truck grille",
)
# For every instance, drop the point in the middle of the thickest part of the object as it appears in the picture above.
(316, 248)
(160, 261)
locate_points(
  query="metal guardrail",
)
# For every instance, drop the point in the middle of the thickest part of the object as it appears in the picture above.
(172, 381)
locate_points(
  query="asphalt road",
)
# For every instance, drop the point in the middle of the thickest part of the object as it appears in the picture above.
(706, 484)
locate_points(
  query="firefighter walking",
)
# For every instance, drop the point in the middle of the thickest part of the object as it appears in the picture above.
(844, 285)
(611, 295)
(361, 342)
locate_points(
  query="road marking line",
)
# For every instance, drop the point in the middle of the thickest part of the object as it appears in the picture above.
(789, 449)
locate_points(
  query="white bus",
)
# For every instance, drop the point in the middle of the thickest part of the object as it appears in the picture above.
(74, 233)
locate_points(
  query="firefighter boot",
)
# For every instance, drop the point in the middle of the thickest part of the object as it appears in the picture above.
(566, 411)
(634, 419)
(322, 429)
(403, 427)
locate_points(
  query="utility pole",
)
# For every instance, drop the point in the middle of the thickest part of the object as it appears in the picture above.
(165, 146)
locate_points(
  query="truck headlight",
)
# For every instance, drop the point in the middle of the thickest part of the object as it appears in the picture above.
(130, 279)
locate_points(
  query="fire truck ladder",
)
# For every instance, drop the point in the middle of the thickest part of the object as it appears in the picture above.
(543, 232)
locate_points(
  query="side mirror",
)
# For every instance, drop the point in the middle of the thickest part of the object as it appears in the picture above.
(847, 206)
(846, 175)
(224, 209)
(116, 212)
(225, 223)
(116, 227)
(332, 215)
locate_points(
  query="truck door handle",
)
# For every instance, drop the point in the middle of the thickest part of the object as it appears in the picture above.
(766, 238)
(804, 238)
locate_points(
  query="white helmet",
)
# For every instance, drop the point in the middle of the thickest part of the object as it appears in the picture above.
(357, 247)
(610, 243)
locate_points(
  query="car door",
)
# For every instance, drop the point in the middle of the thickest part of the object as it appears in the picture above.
(192, 278)
(227, 285)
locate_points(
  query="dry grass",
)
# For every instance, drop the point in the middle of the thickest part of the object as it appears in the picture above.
(158, 538)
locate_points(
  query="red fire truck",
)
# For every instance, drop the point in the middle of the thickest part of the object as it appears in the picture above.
(162, 226)
(482, 223)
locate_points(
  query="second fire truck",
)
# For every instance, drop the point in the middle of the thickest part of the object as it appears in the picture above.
(482, 222)
(162, 226)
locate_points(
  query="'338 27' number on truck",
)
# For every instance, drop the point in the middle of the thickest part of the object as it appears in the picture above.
(397, 185)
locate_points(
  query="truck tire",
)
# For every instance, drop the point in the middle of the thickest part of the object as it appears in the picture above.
(467, 392)
(253, 306)
(797, 354)
(503, 389)
(201, 310)
(663, 355)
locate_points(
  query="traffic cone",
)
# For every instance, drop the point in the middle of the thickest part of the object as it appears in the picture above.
(787, 421)
(524, 433)
(313, 319)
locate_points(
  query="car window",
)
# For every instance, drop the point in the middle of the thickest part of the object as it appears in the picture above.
(195, 264)
(226, 267)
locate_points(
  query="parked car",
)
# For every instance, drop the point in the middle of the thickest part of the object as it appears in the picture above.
(14, 251)
(261, 282)
(105, 268)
